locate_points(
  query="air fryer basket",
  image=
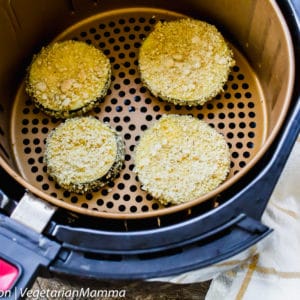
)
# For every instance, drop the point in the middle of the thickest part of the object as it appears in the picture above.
(121, 232)
(239, 113)
(249, 113)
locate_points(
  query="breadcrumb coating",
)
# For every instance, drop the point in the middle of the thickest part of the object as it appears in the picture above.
(181, 158)
(68, 78)
(185, 61)
(83, 154)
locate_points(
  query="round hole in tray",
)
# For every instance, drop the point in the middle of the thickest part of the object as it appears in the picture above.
(130, 108)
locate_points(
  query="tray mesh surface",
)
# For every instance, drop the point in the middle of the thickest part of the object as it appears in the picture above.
(239, 113)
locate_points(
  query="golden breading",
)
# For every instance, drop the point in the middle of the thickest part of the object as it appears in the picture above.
(68, 78)
(185, 61)
(181, 158)
(83, 154)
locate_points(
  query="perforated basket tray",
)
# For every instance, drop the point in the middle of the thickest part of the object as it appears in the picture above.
(239, 113)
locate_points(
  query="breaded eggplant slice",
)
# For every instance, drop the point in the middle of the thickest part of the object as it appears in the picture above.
(68, 78)
(181, 158)
(185, 61)
(83, 154)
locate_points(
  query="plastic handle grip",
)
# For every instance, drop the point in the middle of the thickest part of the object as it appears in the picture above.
(26, 250)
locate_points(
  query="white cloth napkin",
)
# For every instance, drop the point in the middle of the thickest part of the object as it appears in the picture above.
(273, 273)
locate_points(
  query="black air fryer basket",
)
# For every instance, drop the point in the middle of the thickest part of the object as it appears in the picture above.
(120, 232)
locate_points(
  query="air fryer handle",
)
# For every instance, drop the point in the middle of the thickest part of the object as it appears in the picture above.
(21, 269)
(151, 263)
(23, 255)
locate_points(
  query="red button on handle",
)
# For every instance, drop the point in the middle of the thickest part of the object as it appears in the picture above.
(8, 275)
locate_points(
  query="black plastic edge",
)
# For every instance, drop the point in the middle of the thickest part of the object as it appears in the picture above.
(165, 263)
